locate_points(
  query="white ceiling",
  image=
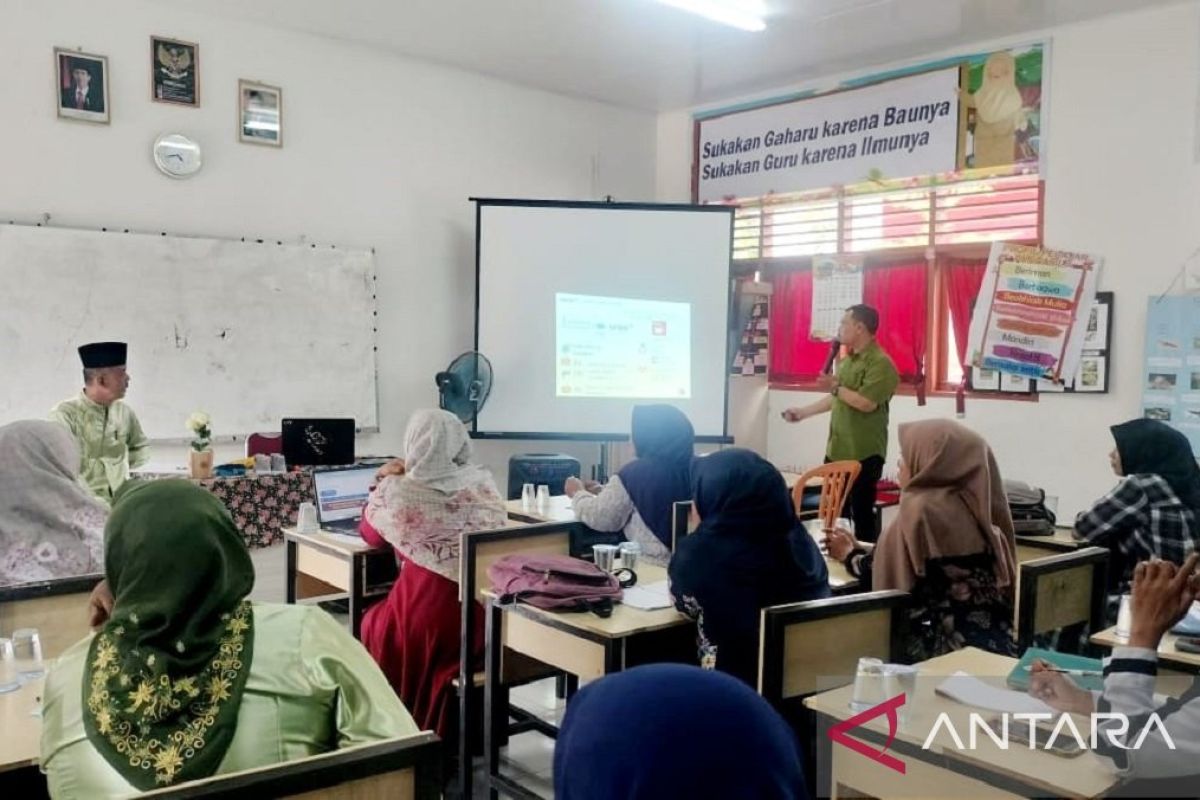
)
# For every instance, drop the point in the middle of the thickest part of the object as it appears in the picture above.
(641, 54)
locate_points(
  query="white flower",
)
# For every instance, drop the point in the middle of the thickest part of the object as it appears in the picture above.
(197, 421)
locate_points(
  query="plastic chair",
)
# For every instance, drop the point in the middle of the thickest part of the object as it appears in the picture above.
(837, 478)
(263, 444)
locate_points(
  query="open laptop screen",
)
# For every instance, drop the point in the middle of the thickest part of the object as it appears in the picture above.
(342, 492)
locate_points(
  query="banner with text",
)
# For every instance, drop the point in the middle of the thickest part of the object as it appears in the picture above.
(1031, 316)
(898, 128)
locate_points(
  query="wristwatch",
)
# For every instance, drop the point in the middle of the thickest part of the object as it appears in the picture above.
(835, 388)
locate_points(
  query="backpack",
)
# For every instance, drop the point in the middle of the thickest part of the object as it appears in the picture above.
(558, 583)
(1027, 504)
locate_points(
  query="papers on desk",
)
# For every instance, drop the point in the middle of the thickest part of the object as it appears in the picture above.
(650, 597)
(971, 691)
(1189, 625)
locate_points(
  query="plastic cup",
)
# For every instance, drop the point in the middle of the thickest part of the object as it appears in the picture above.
(9, 681)
(543, 497)
(527, 497)
(868, 684)
(603, 555)
(306, 518)
(27, 649)
(631, 552)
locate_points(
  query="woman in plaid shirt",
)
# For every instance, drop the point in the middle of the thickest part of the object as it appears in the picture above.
(1154, 512)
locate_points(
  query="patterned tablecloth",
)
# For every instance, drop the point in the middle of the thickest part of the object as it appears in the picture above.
(261, 505)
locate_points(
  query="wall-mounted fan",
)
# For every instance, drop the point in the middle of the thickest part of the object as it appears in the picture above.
(464, 386)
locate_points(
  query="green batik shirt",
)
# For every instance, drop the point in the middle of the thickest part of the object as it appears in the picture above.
(111, 442)
(855, 435)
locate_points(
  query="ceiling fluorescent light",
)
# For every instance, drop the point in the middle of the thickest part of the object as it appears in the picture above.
(742, 14)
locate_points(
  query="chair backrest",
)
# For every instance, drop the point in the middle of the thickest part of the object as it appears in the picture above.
(57, 608)
(681, 522)
(1061, 591)
(263, 444)
(837, 478)
(815, 645)
(408, 769)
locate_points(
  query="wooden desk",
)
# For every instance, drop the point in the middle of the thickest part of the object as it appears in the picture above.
(324, 564)
(1168, 656)
(20, 728)
(581, 644)
(559, 510)
(944, 770)
(1061, 541)
(57, 608)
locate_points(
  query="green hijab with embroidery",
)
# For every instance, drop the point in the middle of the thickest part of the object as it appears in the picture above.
(165, 676)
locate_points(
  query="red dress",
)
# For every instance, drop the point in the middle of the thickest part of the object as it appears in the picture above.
(414, 637)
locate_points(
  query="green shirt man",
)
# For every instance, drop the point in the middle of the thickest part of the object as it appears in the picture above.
(110, 438)
(858, 399)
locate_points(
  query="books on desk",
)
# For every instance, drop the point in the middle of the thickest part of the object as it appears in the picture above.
(1090, 667)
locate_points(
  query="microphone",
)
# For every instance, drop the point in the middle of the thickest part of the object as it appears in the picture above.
(835, 347)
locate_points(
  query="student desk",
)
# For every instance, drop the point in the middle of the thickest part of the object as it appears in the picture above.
(322, 564)
(1061, 541)
(1168, 656)
(20, 728)
(581, 644)
(944, 771)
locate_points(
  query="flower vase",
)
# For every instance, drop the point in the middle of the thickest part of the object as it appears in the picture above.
(201, 463)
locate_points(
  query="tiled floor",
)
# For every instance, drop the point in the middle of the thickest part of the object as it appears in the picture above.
(529, 757)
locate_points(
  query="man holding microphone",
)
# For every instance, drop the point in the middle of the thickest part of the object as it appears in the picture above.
(858, 399)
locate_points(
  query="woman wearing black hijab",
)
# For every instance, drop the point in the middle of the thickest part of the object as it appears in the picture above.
(749, 552)
(639, 499)
(1154, 512)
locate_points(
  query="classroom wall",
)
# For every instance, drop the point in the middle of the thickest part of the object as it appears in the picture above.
(379, 151)
(1121, 180)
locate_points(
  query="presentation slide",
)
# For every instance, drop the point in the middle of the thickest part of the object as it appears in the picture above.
(623, 347)
(588, 309)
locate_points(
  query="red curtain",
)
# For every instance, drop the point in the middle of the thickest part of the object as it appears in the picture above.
(794, 357)
(963, 279)
(900, 294)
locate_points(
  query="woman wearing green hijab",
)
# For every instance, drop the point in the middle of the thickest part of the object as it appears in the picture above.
(187, 678)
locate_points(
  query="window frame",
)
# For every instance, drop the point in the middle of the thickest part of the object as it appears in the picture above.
(936, 256)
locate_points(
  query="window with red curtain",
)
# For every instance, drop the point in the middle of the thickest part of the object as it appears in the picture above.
(963, 277)
(794, 358)
(898, 292)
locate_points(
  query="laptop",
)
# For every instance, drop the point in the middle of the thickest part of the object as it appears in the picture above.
(318, 442)
(340, 495)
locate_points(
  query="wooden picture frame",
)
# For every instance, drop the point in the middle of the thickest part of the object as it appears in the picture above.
(81, 83)
(260, 113)
(174, 72)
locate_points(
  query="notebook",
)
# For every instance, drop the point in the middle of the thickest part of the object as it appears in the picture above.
(1019, 677)
(1189, 625)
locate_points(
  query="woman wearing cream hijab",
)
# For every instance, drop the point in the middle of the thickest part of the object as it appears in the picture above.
(951, 546)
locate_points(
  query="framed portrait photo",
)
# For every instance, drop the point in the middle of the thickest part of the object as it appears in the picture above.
(174, 71)
(260, 113)
(81, 85)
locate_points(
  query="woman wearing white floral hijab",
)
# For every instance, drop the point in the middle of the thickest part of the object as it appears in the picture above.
(50, 524)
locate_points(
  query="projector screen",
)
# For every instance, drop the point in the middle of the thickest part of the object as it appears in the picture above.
(588, 309)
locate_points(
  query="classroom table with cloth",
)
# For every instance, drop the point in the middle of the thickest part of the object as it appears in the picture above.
(262, 504)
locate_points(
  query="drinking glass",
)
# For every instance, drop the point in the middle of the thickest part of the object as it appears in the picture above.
(27, 647)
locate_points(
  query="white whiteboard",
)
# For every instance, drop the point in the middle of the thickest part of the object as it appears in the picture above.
(248, 332)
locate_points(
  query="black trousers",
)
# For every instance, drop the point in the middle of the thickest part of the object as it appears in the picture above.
(860, 502)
